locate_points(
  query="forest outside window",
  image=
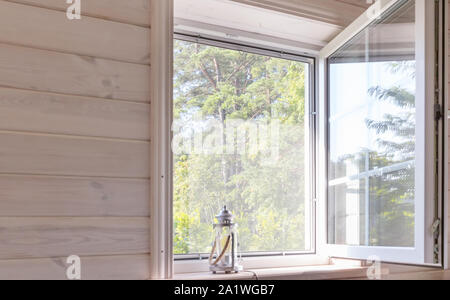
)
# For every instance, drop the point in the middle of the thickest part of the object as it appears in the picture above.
(360, 154)
(242, 138)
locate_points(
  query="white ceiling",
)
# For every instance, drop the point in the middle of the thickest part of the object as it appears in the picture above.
(299, 25)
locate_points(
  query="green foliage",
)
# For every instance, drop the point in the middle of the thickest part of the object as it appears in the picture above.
(268, 200)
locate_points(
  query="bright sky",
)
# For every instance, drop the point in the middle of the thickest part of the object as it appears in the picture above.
(351, 105)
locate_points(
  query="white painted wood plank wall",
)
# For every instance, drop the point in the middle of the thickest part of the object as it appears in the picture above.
(74, 139)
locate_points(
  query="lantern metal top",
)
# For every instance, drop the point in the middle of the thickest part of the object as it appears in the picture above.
(225, 217)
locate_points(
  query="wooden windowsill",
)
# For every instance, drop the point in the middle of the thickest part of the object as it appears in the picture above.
(338, 269)
(325, 272)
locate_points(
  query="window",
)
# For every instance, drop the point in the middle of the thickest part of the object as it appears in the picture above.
(382, 136)
(372, 135)
(242, 138)
(362, 160)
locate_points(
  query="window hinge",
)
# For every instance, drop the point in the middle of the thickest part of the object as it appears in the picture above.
(438, 113)
(436, 228)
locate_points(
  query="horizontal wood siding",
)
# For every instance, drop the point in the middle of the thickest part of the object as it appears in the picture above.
(49, 71)
(125, 11)
(74, 139)
(47, 196)
(89, 36)
(22, 153)
(122, 267)
(75, 115)
(62, 237)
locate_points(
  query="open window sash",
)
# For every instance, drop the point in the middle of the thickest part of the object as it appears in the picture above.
(379, 199)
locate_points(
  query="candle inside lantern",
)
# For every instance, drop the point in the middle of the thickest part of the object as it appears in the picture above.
(224, 254)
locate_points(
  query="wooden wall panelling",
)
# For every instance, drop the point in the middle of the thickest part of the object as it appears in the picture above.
(47, 196)
(62, 237)
(72, 156)
(73, 115)
(334, 12)
(121, 267)
(126, 11)
(75, 139)
(42, 70)
(51, 30)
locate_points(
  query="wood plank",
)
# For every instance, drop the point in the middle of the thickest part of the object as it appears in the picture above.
(232, 18)
(326, 11)
(364, 4)
(402, 269)
(46, 196)
(48, 71)
(74, 115)
(129, 11)
(121, 267)
(60, 155)
(51, 30)
(62, 237)
(426, 275)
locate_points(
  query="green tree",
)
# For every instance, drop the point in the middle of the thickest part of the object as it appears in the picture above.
(268, 200)
(391, 193)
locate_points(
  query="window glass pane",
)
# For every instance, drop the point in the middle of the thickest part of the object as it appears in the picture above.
(372, 124)
(240, 140)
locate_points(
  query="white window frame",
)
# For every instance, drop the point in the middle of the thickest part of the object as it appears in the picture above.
(258, 260)
(161, 82)
(162, 262)
(162, 265)
(422, 253)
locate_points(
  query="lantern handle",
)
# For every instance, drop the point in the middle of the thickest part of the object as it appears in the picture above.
(227, 244)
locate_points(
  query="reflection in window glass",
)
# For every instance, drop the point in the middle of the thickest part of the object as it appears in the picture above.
(372, 125)
(240, 140)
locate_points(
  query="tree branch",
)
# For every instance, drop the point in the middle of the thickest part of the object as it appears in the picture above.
(242, 66)
(208, 76)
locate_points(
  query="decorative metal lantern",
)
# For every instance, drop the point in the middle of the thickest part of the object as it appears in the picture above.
(224, 254)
